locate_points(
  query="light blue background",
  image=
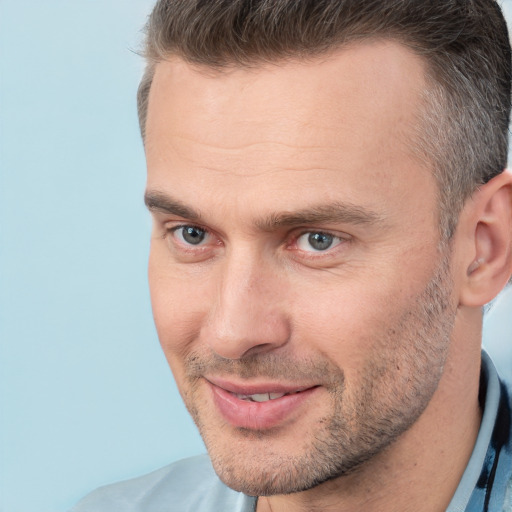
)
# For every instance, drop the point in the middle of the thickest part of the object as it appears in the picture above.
(86, 396)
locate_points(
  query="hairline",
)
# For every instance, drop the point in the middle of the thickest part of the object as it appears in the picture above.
(153, 58)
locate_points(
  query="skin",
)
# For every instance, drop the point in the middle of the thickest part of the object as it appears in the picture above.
(258, 159)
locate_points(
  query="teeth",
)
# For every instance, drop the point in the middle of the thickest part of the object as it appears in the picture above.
(261, 397)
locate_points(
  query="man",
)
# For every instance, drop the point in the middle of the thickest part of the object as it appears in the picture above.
(331, 213)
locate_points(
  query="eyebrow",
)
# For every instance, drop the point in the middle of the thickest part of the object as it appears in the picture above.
(159, 202)
(344, 213)
(327, 213)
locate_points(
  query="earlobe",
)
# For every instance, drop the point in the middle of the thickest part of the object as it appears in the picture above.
(488, 262)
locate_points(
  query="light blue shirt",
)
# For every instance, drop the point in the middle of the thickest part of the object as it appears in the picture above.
(191, 485)
(497, 333)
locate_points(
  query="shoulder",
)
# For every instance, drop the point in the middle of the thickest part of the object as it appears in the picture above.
(189, 485)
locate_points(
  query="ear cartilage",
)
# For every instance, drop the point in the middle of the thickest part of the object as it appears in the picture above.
(475, 265)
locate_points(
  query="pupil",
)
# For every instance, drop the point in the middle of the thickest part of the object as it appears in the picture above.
(320, 241)
(193, 235)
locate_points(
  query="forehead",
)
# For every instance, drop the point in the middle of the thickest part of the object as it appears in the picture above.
(344, 118)
(361, 86)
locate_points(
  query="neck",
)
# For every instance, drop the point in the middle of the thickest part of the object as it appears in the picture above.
(431, 456)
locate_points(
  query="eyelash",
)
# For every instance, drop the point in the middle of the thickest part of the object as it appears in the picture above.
(291, 244)
(333, 241)
(182, 246)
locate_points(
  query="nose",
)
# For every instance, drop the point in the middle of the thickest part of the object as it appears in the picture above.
(247, 316)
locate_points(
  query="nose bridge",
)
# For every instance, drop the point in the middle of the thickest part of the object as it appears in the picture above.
(247, 315)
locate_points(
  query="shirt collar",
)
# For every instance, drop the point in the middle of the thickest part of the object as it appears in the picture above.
(485, 484)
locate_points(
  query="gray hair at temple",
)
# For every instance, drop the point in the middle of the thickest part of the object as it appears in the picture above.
(462, 133)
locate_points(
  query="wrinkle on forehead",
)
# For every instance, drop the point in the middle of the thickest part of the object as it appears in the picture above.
(260, 144)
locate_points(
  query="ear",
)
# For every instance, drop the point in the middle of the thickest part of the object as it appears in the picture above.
(486, 238)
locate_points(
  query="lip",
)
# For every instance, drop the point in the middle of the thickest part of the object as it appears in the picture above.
(258, 415)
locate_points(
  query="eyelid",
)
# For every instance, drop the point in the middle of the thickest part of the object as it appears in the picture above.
(171, 227)
(212, 240)
(341, 239)
(178, 233)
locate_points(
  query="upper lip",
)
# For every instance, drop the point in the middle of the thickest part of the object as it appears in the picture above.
(256, 388)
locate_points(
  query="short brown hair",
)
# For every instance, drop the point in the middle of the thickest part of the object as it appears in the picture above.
(464, 128)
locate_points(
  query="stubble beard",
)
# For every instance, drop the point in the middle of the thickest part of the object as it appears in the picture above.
(397, 384)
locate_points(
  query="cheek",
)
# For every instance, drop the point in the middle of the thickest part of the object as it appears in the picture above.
(179, 303)
(352, 324)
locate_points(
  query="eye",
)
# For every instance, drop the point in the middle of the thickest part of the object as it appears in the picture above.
(190, 235)
(317, 241)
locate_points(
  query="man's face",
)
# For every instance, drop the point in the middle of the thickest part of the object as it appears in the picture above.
(299, 290)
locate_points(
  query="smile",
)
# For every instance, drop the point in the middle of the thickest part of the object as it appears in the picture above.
(259, 407)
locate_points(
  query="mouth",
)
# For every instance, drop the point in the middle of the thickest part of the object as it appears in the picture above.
(259, 407)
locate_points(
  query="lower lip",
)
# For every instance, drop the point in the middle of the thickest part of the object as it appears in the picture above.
(258, 415)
